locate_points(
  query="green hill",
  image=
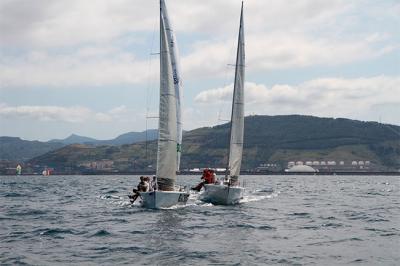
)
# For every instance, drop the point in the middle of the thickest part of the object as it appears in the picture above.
(268, 139)
(12, 148)
(288, 138)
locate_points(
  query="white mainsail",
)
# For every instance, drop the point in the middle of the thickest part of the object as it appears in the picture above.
(237, 117)
(170, 124)
(176, 75)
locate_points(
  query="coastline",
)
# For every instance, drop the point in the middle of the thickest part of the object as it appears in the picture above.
(150, 173)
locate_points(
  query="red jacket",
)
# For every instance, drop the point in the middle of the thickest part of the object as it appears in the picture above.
(208, 177)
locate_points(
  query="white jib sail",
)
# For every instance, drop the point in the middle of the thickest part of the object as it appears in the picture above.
(169, 112)
(237, 118)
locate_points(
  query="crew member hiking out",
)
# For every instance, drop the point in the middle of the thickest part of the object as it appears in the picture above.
(208, 177)
(143, 186)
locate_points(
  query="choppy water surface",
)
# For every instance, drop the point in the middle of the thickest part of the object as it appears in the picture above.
(322, 220)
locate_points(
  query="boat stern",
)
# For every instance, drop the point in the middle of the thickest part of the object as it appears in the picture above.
(222, 194)
(163, 199)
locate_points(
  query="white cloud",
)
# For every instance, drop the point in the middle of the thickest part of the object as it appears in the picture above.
(106, 65)
(74, 114)
(89, 66)
(85, 43)
(279, 51)
(45, 23)
(360, 98)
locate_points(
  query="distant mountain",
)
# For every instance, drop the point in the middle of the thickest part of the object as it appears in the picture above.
(12, 148)
(131, 137)
(75, 139)
(127, 138)
(16, 149)
(268, 139)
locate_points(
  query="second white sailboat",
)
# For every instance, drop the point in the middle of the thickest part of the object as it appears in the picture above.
(229, 191)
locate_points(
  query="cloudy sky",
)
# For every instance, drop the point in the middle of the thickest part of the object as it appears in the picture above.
(90, 67)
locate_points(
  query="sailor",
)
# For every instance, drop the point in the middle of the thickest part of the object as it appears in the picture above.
(143, 185)
(207, 178)
(153, 184)
(211, 177)
(134, 196)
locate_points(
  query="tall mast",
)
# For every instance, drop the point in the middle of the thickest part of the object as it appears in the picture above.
(237, 115)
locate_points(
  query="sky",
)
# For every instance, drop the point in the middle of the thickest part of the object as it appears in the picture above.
(91, 67)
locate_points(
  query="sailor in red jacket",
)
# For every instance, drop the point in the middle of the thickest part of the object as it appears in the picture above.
(207, 178)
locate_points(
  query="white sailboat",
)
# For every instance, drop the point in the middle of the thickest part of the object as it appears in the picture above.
(170, 122)
(230, 192)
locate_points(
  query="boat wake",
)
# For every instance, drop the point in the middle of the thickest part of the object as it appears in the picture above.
(193, 201)
(258, 195)
(118, 200)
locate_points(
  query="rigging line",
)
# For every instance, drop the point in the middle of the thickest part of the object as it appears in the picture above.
(223, 109)
(149, 85)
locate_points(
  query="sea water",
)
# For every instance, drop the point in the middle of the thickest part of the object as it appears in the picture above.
(291, 220)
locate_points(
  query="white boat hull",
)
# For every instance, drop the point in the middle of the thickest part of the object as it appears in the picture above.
(222, 194)
(163, 199)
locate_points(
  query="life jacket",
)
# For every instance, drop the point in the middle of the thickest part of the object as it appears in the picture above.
(208, 177)
(143, 186)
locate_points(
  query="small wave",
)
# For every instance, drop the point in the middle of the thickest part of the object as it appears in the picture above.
(327, 218)
(30, 212)
(56, 231)
(335, 241)
(110, 197)
(333, 225)
(374, 220)
(376, 230)
(374, 193)
(358, 261)
(203, 204)
(143, 251)
(16, 260)
(302, 214)
(137, 232)
(13, 195)
(265, 190)
(179, 206)
(252, 226)
(101, 233)
(2, 218)
(266, 227)
(310, 227)
(253, 197)
(389, 234)
(124, 202)
(366, 217)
